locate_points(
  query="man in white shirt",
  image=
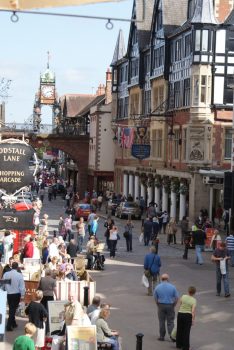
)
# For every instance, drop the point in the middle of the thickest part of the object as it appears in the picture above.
(53, 249)
(15, 292)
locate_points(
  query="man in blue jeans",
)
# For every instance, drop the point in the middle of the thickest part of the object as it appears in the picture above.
(166, 297)
(198, 239)
(221, 257)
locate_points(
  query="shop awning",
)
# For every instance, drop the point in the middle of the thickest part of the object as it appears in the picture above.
(17, 5)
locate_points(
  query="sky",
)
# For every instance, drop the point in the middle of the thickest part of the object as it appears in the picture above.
(81, 50)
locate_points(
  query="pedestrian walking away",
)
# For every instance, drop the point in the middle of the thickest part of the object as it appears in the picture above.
(148, 228)
(185, 319)
(152, 264)
(230, 247)
(128, 235)
(166, 298)
(198, 239)
(221, 257)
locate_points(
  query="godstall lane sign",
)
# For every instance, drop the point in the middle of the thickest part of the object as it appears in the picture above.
(14, 166)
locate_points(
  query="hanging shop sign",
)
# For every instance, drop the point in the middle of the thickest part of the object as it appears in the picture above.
(15, 171)
(16, 220)
(141, 151)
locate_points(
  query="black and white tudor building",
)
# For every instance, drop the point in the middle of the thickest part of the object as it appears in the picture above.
(176, 79)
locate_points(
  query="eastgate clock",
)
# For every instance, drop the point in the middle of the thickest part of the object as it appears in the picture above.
(47, 91)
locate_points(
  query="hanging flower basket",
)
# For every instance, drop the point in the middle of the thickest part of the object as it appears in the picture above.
(184, 188)
(158, 181)
(166, 184)
(175, 185)
(143, 180)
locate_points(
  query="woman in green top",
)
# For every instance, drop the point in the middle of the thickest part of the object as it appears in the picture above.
(24, 342)
(185, 319)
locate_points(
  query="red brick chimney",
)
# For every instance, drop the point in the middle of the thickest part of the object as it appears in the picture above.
(108, 91)
(100, 90)
(223, 9)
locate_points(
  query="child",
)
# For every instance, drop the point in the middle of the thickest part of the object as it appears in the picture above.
(24, 342)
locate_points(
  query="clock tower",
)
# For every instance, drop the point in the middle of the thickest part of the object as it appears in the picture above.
(46, 95)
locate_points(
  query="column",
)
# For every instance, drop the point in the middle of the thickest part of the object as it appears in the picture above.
(149, 195)
(182, 206)
(125, 185)
(143, 192)
(131, 185)
(173, 205)
(157, 196)
(136, 189)
(211, 200)
(164, 200)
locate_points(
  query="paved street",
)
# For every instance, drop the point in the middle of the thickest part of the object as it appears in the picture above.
(134, 311)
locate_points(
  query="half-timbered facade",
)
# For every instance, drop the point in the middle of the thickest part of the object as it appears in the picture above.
(178, 79)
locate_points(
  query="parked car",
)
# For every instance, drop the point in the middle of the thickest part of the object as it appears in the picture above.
(128, 209)
(111, 206)
(82, 210)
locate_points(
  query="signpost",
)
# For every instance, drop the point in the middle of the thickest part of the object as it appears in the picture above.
(15, 172)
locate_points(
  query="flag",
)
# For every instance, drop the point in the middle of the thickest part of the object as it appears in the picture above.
(127, 137)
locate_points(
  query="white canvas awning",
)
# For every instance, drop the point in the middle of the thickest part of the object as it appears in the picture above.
(17, 5)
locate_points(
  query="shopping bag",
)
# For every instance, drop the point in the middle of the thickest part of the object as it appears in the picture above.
(141, 237)
(173, 333)
(144, 281)
(223, 267)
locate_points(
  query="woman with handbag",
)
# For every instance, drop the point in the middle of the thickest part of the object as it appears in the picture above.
(128, 235)
(152, 264)
(113, 241)
(171, 231)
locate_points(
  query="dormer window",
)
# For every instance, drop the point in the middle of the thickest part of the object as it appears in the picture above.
(159, 20)
(134, 36)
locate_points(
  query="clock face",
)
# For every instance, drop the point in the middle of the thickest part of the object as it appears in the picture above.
(47, 91)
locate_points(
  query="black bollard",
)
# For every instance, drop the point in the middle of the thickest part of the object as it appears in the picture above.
(139, 337)
(86, 296)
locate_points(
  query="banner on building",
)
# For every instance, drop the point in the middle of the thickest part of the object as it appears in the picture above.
(82, 338)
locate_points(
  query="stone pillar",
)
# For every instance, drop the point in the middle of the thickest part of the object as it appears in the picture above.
(157, 196)
(173, 205)
(136, 189)
(131, 185)
(182, 206)
(125, 185)
(149, 195)
(164, 200)
(143, 192)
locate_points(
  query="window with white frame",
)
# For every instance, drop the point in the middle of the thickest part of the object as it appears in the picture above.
(228, 144)
(187, 45)
(177, 94)
(147, 102)
(186, 101)
(176, 144)
(196, 90)
(203, 89)
(134, 104)
(157, 143)
(178, 50)
(158, 96)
